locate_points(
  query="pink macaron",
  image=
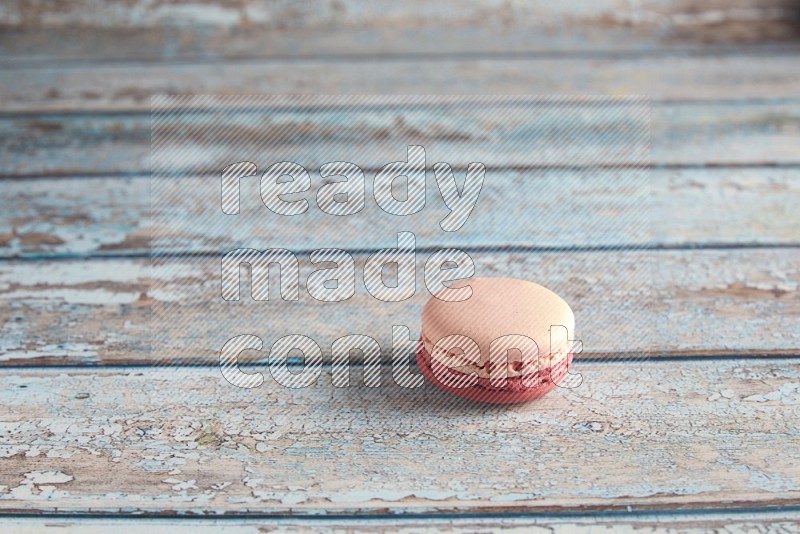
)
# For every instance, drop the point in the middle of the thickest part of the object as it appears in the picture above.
(508, 342)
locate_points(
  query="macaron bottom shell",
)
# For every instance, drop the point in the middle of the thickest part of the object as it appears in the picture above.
(514, 391)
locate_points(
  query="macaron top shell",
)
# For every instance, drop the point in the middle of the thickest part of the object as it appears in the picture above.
(499, 307)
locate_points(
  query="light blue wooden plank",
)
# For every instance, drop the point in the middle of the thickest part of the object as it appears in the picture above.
(534, 208)
(682, 134)
(719, 302)
(633, 436)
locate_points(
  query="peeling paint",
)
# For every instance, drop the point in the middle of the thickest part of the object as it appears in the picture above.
(335, 449)
(787, 394)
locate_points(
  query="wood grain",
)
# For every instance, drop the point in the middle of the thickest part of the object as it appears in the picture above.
(743, 301)
(126, 87)
(682, 522)
(185, 441)
(79, 30)
(64, 217)
(682, 134)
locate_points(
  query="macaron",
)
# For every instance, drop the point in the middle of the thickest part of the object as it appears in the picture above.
(496, 346)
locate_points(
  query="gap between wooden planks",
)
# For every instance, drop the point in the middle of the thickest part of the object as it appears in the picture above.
(737, 301)
(186, 441)
(686, 522)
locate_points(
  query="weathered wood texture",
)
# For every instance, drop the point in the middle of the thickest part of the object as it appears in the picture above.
(681, 207)
(723, 75)
(184, 440)
(625, 523)
(126, 87)
(682, 134)
(143, 30)
(743, 301)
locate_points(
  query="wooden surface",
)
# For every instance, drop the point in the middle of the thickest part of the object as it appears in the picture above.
(60, 217)
(720, 302)
(691, 424)
(767, 522)
(175, 439)
(195, 30)
(127, 87)
(714, 133)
